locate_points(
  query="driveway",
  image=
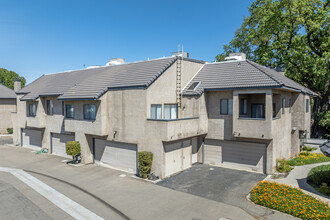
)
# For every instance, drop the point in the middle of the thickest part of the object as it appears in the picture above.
(103, 191)
(223, 185)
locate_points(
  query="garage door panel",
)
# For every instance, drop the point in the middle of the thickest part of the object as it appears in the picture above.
(118, 155)
(32, 138)
(237, 154)
(59, 143)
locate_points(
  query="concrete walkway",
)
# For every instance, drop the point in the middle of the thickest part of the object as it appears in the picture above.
(298, 178)
(101, 190)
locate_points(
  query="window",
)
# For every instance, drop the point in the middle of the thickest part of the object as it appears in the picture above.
(274, 110)
(156, 111)
(69, 111)
(290, 105)
(307, 105)
(258, 110)
(283, 105)
(50, 107)
(193, 86)
(89, 112)
(243, 107)
(32, 110)
(170, 111)
(226, 106)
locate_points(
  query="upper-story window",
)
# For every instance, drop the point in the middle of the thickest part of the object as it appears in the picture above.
(258, 110)
(156, 111)
(226, 106)
(50, 107)
(307, 105)
(170, 111)
(89, 112)
(283, 105)
(290, 105)
(32, 110)
(243, 107)
(69, 111)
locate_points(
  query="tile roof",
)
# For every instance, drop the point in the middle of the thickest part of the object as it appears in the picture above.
(242, 74)
(6, 93)
(92, 83)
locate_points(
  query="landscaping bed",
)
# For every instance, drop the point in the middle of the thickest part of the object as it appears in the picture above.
(319, 178)
(308, 158)
(289, 200)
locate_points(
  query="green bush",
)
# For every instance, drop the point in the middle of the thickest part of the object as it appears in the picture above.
(145, 162)
(304, 153)
(325, 189)
(319, 175)
(9, 130)
(73, 148)
(283, 166)
(307, 148)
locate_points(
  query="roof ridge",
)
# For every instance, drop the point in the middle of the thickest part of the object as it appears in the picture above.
(270, 76)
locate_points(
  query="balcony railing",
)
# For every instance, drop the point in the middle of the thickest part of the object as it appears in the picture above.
(96, 127)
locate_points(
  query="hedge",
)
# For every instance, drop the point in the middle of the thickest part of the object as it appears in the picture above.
(73, 148)
(144, 163)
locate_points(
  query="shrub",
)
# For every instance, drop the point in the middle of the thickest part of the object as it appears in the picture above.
(304, 153)
(324, 189)
(307, 148)
(9, 130)
(283, 166)
(290, 200)
(73, 148)
(319, 175)
(308, 158)
(145, 162)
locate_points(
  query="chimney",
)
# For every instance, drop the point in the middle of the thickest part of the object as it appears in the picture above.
(17, 84)
(115, 61)
(236, 56)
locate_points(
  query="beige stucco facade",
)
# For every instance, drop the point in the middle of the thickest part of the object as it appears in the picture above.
(125, 116)
(7, 106)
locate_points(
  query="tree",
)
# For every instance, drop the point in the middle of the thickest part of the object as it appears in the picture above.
(7, 78)
(293, 35)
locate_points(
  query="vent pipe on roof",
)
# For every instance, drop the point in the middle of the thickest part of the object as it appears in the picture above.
(236, 56)
(115, 61)
(181, 53)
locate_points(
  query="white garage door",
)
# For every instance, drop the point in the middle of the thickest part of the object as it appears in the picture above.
(121, 156)
(32, 139)
(59, 144)
(242, 155)
(178, 156)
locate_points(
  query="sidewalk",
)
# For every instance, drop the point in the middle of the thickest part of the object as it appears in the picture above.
(136, 199)
(297, 178)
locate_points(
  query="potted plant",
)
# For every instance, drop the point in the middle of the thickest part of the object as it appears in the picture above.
(73, 149)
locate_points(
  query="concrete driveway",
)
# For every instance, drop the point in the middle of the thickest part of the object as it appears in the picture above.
(223, 185)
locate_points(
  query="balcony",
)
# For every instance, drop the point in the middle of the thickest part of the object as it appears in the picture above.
(252, 115)
(37, 121)
(174, 129)
(95, 127)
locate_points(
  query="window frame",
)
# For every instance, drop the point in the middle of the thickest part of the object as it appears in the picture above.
(89, 112)
(31, 113)
(66, 111)
(176, 112)
(227, 107)
(50, 107)
(161, 111)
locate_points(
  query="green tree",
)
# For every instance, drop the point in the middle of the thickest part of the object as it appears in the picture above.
(7, 78)
(293, 35)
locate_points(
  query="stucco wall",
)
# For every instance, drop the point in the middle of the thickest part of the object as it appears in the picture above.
(6, 107)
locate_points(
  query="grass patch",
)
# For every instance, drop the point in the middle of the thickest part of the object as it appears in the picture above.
(307, 148)
(308, 158)
(319, 178)
(283, 166)
(290, 200)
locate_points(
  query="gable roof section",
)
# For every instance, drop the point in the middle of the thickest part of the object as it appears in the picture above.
(6, 93)
(92, 83)
(242, 74)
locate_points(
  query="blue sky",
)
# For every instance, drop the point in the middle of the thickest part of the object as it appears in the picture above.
(43, 36)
